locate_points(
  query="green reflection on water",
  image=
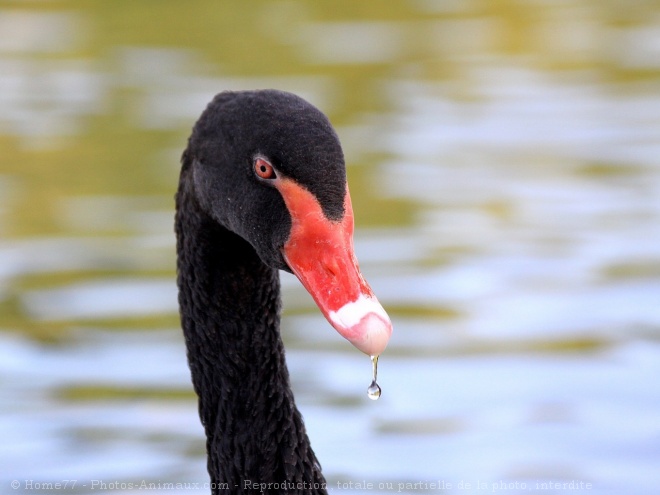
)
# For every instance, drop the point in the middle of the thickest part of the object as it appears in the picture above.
(109, 61)
(121, 393)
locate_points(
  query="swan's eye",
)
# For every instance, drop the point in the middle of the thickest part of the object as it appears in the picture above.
(264, 169)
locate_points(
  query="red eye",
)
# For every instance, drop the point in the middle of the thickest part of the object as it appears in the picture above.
(264, 169)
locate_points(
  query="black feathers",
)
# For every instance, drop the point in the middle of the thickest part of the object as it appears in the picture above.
(293, 134)
(230, 230)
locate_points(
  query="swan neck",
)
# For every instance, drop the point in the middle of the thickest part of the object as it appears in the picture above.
(230, 310)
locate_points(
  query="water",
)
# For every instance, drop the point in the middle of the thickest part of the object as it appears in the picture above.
(374, 391)
(503, 166)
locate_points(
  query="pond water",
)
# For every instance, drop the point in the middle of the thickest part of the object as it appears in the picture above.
(504, 163)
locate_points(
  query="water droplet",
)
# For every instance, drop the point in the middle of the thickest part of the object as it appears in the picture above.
(374, 389)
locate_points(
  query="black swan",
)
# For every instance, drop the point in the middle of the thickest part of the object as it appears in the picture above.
(263, 188)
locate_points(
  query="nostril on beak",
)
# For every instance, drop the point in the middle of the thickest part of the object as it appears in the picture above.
(331, 268)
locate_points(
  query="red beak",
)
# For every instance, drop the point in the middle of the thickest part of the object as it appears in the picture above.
(320, 252)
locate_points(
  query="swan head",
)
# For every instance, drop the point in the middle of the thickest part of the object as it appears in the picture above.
(268, 166)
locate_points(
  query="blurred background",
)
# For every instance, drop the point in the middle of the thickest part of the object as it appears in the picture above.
(504, 163)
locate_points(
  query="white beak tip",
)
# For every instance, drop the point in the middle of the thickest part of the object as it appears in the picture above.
(364, 323)
(373, 334)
